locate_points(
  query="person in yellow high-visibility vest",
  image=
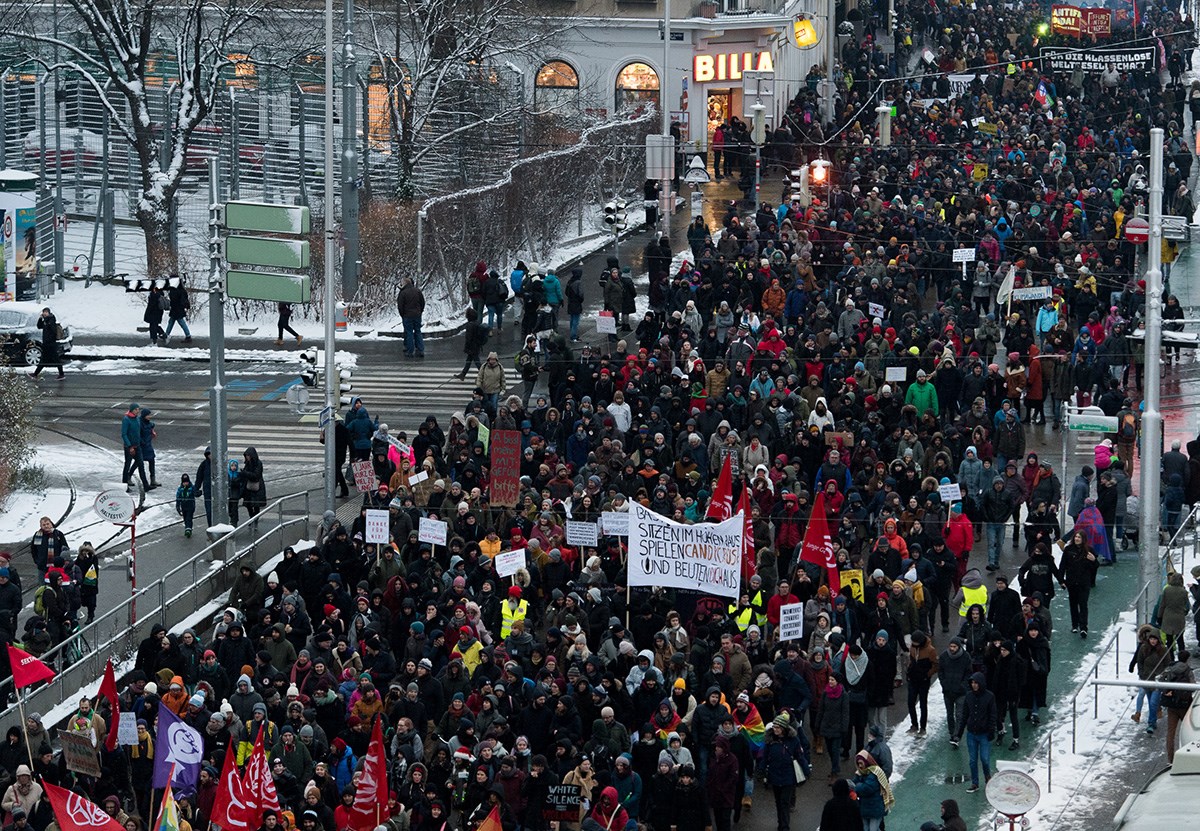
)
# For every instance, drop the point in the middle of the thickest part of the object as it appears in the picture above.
(512, 610)
(972, 591)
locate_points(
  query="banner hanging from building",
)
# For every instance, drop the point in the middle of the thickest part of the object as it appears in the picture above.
(1096, 61)
(705, 558)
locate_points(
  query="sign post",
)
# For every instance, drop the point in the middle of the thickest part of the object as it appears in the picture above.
(116, 506)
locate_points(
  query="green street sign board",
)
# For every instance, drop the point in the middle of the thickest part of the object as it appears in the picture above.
(266, 251)
(263, 218)
(1092, 424)
(268, 285)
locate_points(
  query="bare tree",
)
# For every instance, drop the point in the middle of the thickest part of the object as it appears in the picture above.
(443, 63)
(117, 43)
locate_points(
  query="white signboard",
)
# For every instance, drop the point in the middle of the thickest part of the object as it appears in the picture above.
(509, 563)
(964, 255)
(114, 505)
(950, 492)
(791, 622)
(875, 310)
(616, 523)
(895, 374)
(127, 729)
(606, 323)
(418, 478)
(706, 558)
(377, 527)
(582, 533)
(432, 531)
(1032, 293)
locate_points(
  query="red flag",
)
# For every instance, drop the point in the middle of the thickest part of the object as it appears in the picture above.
(229, 810)
(748, 558)
(720, 507)
(73, 812)
(108, 690)
(818, 546)
(492, 821)
(371, 796)
(258, 786)
(27, 669)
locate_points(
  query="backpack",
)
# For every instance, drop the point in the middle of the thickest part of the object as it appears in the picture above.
(39, 602)
(1128, 426)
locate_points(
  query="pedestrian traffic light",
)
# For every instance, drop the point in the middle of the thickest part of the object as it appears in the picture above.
(308, 366)
(614, 214)
(895, 19)
(344, 385)
(819, 171)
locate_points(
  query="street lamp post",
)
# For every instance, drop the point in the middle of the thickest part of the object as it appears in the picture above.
(1152, 426)
(330, 266)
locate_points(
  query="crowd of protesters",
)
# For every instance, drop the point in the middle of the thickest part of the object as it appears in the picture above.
(828, 347)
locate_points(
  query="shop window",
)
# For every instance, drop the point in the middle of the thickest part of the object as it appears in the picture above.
(556, 86)
(637, 85)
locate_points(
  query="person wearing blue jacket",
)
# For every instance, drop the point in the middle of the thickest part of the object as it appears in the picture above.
(131, 440)
(361, 427)
(871, 789)
(554, 295)
(781, 751)
(146, 436)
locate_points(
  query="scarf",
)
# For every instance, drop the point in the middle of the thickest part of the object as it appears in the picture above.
(885, 790)
(751, 726)
(855, 668)
(834, 692)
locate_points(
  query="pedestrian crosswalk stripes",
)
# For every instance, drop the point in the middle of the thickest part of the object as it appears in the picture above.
(400, 397)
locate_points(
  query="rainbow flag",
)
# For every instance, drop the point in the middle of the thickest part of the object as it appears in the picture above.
(751, 726)
(168, 817)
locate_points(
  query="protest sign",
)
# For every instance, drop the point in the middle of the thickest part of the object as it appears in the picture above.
(1032, 293)
(1096, 61)
(606, 323)
(509, 563)
(791, 622)
(582, 533)
(706, 558)
(950, 492)
(364, 476)
(506, 468)
(561, 803)
(80, 753)
(377, 529)
(895, 374)
(616, 523)
(432, 531)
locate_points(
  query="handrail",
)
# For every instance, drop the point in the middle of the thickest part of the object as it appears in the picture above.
(119, 623)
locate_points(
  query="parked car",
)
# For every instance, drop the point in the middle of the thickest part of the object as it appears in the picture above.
(20, 337)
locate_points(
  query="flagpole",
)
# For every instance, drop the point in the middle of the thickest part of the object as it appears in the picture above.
(25, 726)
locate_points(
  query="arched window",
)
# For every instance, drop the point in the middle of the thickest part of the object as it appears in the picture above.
(637, 84)
(556, 86)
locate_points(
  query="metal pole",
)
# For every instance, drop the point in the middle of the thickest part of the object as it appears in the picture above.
(330, 267)
(301, 145)
(830, 57)
(350, 247)
(665, 199)
(59, 265)
(3, 122)
(235, 140)
(217, 428)
(1062, 503)
(1148, 525)
(421, 216)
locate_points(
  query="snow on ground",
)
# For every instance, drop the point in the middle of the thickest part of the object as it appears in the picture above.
(21, 510)
(289, 356)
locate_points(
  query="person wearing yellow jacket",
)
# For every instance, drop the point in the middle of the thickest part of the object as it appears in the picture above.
(512, 610)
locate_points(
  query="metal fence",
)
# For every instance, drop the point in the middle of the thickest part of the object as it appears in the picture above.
(79, 660)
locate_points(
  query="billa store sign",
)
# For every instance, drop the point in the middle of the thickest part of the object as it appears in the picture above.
(1077, 22)
(729, 66)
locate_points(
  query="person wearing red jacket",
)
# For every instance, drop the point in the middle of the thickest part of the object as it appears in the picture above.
(960, 538)
(783, 597)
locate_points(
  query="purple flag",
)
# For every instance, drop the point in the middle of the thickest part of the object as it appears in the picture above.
(180, 745)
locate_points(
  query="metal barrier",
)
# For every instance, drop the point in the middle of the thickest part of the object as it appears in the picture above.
(168, 601)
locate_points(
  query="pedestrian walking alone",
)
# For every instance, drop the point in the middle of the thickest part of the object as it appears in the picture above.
(476, 336)
(410, 302)
(185, 502)
(178, 305)
(284, 324)
(131, 441)
(147, 435)
(48, 324)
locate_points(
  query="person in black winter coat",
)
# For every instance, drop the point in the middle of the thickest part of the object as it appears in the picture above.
(156, 304)
(1035, 649)
(1039, 572)
(48, 324)
(1077, 570)
(1004, 606)
(1007, 673)
(476, 336)
(979, 719)
(574, 292)
(841, 812)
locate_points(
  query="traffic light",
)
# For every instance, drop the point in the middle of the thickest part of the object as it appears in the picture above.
(614, 215)
(819, 172)
(308, 366)
(895, 19)
(344, 385)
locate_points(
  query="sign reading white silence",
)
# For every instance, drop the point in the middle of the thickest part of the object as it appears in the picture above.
(791, 622)
(705, 558)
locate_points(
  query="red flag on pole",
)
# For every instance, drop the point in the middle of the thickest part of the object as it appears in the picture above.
(748, 559)
(818, 546)
(73, 812)
(371, 795)
(258, 787)
(492, 821)
(27, 669)
(229, 811)
(720, 507)
(108, 690)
